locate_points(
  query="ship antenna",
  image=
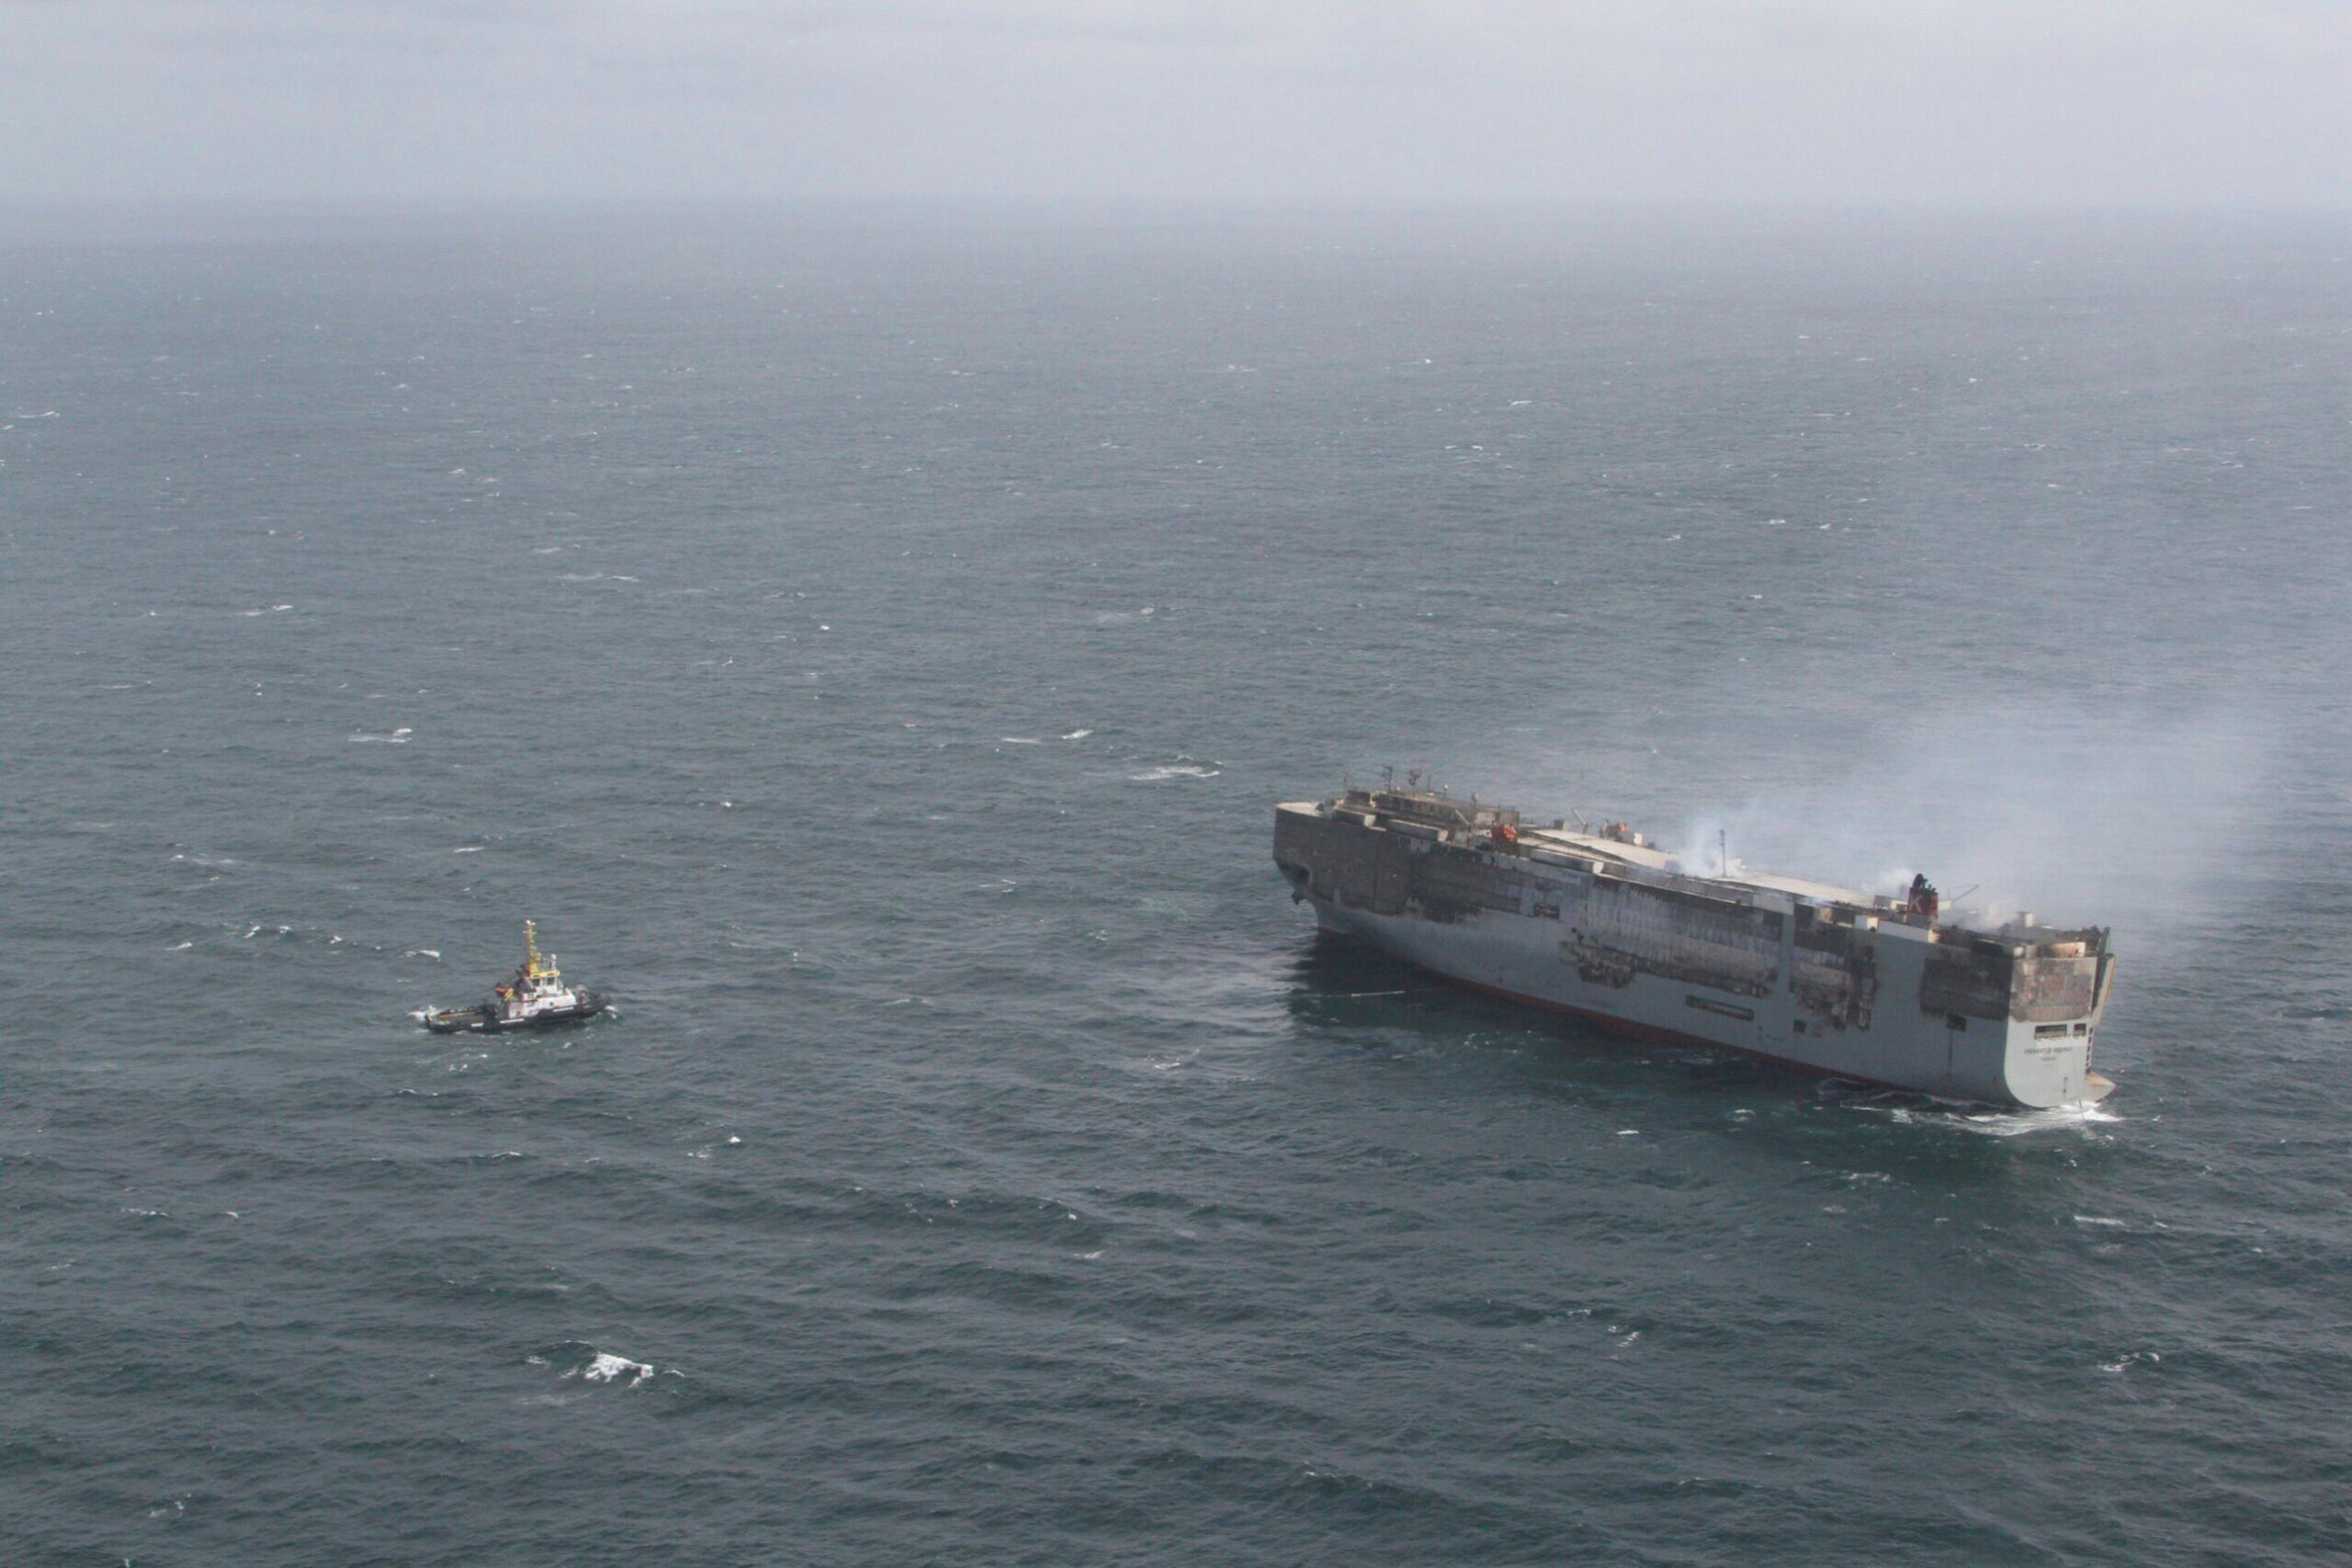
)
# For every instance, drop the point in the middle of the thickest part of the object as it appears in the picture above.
(1723, 852)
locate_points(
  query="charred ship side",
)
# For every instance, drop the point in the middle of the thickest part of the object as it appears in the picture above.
(1609, 928)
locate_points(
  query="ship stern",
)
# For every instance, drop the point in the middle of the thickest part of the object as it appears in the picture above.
(2056, 1001)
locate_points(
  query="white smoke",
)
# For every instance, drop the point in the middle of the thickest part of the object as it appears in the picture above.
(2081, 816)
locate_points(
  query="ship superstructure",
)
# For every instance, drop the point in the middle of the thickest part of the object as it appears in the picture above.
(1603, 924)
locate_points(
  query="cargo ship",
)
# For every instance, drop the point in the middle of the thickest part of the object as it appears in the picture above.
(537, 997)
(1605, 925)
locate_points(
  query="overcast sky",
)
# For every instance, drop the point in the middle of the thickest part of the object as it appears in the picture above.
(2125, 102)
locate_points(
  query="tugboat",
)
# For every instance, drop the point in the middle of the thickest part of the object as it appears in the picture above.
(536, 997)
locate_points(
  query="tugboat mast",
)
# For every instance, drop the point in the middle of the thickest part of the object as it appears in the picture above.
(534, 966)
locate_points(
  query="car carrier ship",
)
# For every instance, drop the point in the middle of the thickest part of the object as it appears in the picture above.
(1602, 924)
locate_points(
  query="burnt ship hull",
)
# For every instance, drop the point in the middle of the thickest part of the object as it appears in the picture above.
(1607, 930)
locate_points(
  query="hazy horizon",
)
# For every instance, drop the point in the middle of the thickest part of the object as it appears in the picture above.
(2192, 103)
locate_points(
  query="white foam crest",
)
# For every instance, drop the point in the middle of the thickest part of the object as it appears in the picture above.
(609, 1368)
(578, 1360)
(1175, 770)
(2017, 1124)
(1907, 1108)
(398, 737)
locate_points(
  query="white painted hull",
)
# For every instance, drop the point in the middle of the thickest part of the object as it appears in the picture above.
(1728, 963)
(2000, 1064)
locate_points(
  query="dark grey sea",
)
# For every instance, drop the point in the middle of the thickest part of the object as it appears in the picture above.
(871, 644)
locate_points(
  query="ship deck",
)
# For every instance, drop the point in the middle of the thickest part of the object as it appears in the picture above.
(1650, 857)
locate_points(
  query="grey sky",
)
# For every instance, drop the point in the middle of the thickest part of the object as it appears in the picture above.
(2167, 102)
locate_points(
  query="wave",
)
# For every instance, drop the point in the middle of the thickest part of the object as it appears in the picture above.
(576, 1359)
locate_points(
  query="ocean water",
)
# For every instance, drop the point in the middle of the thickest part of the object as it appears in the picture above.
(871, 646)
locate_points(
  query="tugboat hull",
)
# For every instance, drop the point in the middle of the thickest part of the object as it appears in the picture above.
(485, 1019)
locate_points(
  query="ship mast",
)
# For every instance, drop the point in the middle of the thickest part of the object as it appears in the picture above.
(533, 964)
